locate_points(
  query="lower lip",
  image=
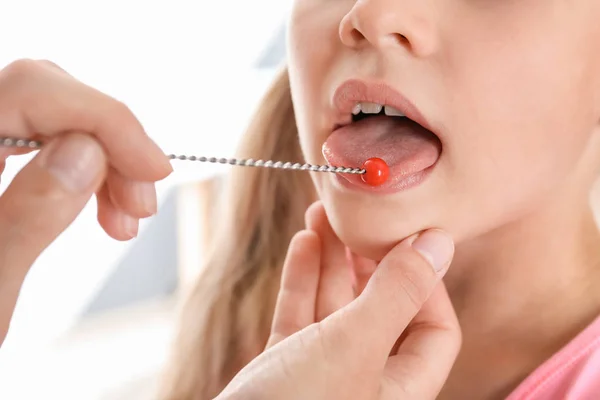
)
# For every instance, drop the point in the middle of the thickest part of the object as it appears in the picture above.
(394, 184)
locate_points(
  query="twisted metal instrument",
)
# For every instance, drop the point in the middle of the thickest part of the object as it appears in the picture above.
(34, 145)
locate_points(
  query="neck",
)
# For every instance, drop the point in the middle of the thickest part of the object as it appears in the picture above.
(523, 291)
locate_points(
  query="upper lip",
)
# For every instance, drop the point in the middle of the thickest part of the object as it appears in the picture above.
(354, 91)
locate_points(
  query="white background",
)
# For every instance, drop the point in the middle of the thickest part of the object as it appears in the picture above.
(186, 70)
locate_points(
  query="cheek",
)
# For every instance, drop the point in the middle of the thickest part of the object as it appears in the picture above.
(522, 120)
(313, 47)
(369, 226)
(518, 117)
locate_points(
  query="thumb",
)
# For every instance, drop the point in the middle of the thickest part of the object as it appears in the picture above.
(46, 196)
(398, 289)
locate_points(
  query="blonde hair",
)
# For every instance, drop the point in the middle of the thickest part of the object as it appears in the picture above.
(227, 318)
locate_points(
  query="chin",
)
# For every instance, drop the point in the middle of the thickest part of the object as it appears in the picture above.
(365, 246)
(369, 231)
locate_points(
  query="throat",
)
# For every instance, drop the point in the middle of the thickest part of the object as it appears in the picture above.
(523, 267)
(505, 288)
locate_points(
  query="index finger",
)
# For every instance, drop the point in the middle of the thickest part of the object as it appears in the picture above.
(36, 99)
(296, 302)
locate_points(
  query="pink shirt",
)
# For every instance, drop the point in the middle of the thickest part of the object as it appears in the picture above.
(571, 374)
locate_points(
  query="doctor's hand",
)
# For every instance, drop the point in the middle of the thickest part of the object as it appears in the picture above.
(396, 339)
(93, 144)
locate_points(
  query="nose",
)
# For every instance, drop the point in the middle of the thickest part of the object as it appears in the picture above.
(391, 23)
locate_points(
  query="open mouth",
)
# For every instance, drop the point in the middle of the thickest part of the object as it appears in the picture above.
(382, 125)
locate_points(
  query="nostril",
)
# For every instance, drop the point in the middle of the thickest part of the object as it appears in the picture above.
(403, 40)
(356, 35)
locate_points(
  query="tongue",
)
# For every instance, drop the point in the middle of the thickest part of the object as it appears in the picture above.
(404, 145)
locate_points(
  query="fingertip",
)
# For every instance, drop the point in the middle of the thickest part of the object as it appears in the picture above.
(313, 213)
(77, 161)
(152, 165)
(116, 223)
(304, 248)
(138, 199)
(306, 237)
(136, 155)
(318, 221)
(164, 168)
(160, 162)
(128, 225)
(302, 262)
(435, 246)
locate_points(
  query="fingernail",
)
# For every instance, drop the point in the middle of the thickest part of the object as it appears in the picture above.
(160, 155)
(75, 161)
(146, 195)
(130, 225)
(436, 247)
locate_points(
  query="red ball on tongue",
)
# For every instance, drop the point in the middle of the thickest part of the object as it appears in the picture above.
(376, 172)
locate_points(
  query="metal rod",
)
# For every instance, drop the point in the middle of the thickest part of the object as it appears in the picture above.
(33, 144)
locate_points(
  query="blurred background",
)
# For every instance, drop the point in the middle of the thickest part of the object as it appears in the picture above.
(96, 317)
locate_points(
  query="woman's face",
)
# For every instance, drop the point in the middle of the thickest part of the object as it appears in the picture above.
(510, 88)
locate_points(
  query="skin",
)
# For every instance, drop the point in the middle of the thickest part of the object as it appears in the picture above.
(331, 339)
(93, 145)
(512, 89)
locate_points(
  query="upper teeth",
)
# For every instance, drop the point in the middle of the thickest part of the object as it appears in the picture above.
(373, 108)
